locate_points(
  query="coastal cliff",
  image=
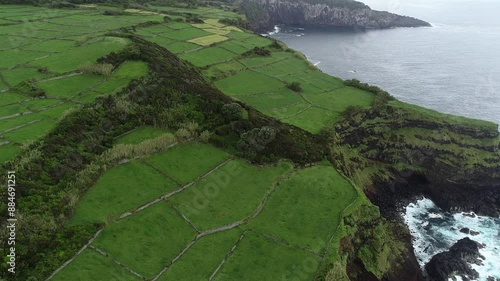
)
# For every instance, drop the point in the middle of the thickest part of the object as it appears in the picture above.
(397, 151)
(263, 15)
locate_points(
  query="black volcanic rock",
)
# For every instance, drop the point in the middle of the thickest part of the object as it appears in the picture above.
(454, 262)
(264, 14)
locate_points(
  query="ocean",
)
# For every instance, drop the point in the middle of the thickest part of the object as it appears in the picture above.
(452, 67)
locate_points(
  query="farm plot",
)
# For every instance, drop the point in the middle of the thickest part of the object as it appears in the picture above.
(248, 82)
(228, 195)
(259, 258)
(291, 215)
(185, 163)
(146, 250)
(114, 193)
(201, 260)
(208, 56)
(281, 98)
(91, 265)
(69, 87)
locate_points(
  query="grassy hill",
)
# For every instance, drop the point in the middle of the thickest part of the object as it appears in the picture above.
(166, 143)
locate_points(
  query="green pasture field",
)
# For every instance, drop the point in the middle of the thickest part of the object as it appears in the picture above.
(305, 209)
(314, 119)
(186, 34)
(208, 40)
(89, 97)
(8, 152)
(78, 56)
(229, 194)
(340, 99)
(259, 258)
(11, 58)
(233, 47)
(9, 110)
(181, 47)
(229, 67)
(55, 45)
(139, 135)
(148, 240)
(160, 40)
(30, 132)
(114, 193)
(289, 111)
(281, 98)
(201, 260)
(17, 75)
(38, 104)
(56, 112)
(208, 56)
(10, 98)
(90, 265)
(185, 163)
(248, 82)
(11, 123)
(69, 87)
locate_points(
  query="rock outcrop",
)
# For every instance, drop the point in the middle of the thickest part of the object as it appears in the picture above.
(455, 262)
(264, 14)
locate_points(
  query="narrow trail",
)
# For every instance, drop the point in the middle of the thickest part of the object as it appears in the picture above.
(168, 195)
(227, 226)
(323, 257)
(104, 253)
(77, 253)
(230, 253)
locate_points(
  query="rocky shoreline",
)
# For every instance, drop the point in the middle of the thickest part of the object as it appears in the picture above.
(263, 15)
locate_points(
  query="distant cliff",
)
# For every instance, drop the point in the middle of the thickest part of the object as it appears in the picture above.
(263, 15)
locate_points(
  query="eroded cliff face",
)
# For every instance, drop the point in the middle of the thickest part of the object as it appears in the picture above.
(303, 13)
(400, 151)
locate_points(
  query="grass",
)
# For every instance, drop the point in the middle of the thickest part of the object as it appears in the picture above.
(12, 109)
(10, 98)
(266, 101)
(185, 163)
(221, 69)
(340, 99)
(37, 104)
(147, 241)
(74, 58)
(208, 40)
(19, 120)
(314, 119)
(258, 258)
(121, 189)
(55, 45)
(208, 56)
(11, 58)
(186, 34)
(17, 75)
(30, 132)
(69, 87)
(243, 83)
(8, 152)
(202, 258)
(305, 209)
(180, 47)
(90, 265)
(139, 135)
(229, 194)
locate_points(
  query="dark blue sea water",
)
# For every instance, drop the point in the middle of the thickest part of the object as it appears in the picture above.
(452, 67)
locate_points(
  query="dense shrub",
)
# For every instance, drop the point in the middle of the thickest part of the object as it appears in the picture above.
(294, 86)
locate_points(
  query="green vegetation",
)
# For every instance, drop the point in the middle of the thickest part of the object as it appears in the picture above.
(114, 193)
(91, 265)
(310, 225)
(166, 235)
(233, 194)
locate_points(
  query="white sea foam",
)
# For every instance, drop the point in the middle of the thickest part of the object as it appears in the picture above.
(435, 231)
(276, 30)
